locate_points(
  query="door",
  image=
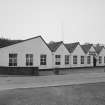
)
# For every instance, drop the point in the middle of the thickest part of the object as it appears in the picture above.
(94, 61)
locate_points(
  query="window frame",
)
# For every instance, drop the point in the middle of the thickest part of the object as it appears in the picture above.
(88, 59)
(82, 59)
(75, 59)
(104, 59)
(67, 59)
(57, 59)
(100, 59)
(29, 59)
(43, 59)
(13, 59)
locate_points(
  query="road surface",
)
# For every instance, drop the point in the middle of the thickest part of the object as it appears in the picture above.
(52, 80)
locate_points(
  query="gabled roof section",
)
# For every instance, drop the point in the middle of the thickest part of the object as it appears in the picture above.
(71, 46)
(54, 45)
(86, 47)
(21, 41)
(16, 42)
(98, 49)
(7, 42)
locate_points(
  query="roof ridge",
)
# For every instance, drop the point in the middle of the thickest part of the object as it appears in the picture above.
(23, 41)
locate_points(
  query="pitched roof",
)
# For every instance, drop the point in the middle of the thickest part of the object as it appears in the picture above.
(16, 42)
(98, 49)
(71, 46)
(20, 41)
(6, 42)
(86, 47)
(54, 45)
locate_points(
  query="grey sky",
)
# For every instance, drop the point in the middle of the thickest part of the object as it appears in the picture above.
(68, 20)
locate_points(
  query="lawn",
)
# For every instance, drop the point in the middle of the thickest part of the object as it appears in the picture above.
(84, 94)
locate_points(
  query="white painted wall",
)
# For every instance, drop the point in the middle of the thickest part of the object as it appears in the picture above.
(77, 52)
(102, 53)
(61, 51)
(36, 46)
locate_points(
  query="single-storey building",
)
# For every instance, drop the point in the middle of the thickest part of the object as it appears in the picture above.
(33, 56)
(77, 55)
(60, 55)
(32, 53)
(90, 55)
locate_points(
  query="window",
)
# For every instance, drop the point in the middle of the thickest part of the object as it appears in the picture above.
(104, 59)
(82, 59)
(88, 59)
(43, 59)
(57, 59)
(66, 59)
(29, 59)
(12, 59)
(74, 59)
(100, 59)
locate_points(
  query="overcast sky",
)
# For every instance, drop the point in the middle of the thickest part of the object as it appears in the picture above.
(67, 20)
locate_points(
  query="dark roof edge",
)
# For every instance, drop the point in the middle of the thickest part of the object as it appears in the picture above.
(65, 46)
(100, 50)
(57, 47)
(27, 40)
(61, 42)
(77, 45)
(89, 48)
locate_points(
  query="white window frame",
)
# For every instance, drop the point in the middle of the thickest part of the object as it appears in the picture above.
(67, 57)
(100, 59)
(12, 59)
(88, 59)
(57, 59)
(75, 59)
(43, 59)
(104, 59)
(29, 59)
(82, 59)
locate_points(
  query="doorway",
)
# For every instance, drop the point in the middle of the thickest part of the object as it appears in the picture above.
(94, 61)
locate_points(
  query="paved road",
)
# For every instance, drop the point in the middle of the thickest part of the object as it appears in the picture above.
(54, 80)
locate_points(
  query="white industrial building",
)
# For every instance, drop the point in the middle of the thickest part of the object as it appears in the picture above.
(34, 54)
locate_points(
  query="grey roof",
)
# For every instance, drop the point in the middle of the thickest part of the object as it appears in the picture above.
(54, 45)
(71, 46)
(86, 47)
(16, 42)
(98, 48)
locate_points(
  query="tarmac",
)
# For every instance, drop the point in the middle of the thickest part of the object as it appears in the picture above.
(14, 82)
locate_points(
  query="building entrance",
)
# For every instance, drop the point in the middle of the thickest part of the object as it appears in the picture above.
(94, 58)
(94, 61)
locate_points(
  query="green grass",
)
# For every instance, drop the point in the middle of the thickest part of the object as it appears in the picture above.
(85, 94)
